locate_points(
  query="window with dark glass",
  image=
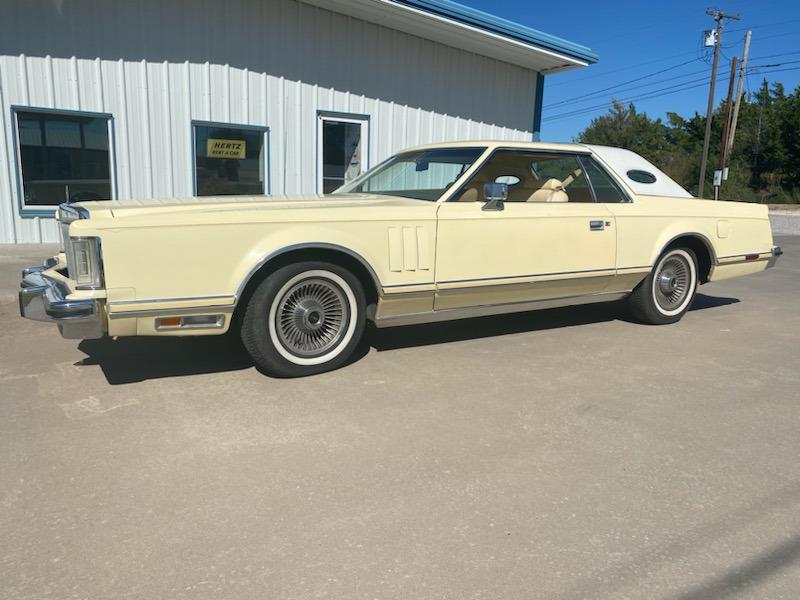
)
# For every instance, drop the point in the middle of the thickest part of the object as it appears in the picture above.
(605, 189)
(63, 158)
(343, 144)
(229, 160)
(641, 176)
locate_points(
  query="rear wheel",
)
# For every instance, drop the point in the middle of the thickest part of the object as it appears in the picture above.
(303, 319)
(667, 292)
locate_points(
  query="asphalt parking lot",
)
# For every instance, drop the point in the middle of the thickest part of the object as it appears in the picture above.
(567, 453)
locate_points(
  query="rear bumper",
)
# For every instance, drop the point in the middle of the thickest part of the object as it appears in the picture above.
(42, 298)
(776, 254)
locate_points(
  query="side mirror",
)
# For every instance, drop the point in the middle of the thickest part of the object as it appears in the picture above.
(495, 195)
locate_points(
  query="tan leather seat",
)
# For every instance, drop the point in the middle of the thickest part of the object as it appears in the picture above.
(472, 194)
(523, 190)
(551, 191)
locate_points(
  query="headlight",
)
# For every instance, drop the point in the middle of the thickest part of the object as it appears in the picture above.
(84, 262)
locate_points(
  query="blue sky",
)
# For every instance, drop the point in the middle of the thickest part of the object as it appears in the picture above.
(628, 33)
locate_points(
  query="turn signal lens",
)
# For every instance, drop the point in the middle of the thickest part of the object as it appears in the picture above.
(191, 322)
(169, 322)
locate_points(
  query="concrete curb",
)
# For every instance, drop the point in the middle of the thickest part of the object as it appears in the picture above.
(785, 222)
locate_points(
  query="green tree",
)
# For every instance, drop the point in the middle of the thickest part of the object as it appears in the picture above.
(765, 159)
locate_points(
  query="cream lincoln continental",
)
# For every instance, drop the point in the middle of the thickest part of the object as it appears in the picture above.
(436, 232)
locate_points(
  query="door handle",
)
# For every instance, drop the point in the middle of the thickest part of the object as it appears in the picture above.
(597, 225)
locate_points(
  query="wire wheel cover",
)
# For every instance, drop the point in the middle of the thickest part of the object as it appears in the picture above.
(672, 282)
(312, 317)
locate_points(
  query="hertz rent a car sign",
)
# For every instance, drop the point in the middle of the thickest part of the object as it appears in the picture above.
(225, 148)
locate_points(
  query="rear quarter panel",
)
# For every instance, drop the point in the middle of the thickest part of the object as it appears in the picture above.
(648, 224)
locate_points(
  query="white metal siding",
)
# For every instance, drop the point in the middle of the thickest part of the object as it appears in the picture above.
(156, 66)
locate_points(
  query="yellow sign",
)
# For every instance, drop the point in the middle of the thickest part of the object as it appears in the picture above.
(225, 148)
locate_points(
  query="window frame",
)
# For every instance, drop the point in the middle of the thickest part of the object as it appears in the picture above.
(263, 129)
(480, 163)
(40, 210)
(626, 197)
(458, 188)
(481, 152)
(342, 117)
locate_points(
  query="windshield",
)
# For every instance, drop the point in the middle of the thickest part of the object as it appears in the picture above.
(420, 174)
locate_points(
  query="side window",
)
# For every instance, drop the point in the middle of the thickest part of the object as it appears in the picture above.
(64, 157)
(531, 177)
(568, 171)
(229, 160)
(605, 189)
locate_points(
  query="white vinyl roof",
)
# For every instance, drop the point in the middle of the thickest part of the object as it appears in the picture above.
(623, 162)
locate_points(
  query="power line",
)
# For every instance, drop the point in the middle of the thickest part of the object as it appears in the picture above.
(570, 100)
(605, 89)
(777, 55)
(635, 98)
(781, 64)
(652, 95)
(762, 25)
(774, 71)
(627, 68)
(592, 95)
(769, 37)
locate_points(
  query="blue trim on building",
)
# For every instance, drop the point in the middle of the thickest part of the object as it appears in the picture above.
(537, 108)
(481, 20)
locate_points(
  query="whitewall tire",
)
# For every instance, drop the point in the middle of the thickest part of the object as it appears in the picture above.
(303, 319)
(667, 292)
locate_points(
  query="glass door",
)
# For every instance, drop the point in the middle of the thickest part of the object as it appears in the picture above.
(342, 150)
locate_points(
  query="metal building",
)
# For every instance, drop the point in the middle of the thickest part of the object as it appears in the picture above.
(153, 98)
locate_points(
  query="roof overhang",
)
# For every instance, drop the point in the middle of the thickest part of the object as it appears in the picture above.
(468, 29)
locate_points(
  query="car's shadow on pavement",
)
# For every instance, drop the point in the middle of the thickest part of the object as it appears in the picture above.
(133, 359)
(129, 360)
(483, 327)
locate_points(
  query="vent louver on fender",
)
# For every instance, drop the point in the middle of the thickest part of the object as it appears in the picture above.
(408, 249)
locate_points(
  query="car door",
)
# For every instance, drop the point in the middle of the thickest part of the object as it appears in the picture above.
(551, 240)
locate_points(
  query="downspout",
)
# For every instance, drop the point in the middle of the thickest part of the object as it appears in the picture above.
(537, 107)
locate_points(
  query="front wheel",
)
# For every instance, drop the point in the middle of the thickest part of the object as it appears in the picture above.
(303, 319)
(667, 292)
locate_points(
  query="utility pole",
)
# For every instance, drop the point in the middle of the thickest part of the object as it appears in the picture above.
(739, 91)
(719, 17)
(719, 174)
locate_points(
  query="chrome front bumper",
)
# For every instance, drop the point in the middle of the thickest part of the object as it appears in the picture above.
(776, 253)
(45, 299)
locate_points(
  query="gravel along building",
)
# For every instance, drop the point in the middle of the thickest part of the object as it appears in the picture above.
(152, 98)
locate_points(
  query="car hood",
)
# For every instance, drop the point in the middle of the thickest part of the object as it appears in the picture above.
(295, 205)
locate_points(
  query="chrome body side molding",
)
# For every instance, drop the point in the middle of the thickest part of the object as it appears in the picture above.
(175, 311)
(164, 300)
(450, 314)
